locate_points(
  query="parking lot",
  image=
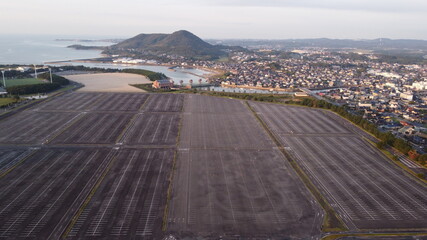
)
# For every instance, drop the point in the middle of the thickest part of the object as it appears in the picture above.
(95, 128)
(72, 102)
(230, 181)
(40, 192)
(130, 201)
(98, 165)
(56, 155)
(366, 189)
(30, 127)
(164, 103)
(156, 129)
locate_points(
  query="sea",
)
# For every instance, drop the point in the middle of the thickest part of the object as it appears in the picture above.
(40, 49)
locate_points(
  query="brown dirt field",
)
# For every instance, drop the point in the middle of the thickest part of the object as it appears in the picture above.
(109, 82)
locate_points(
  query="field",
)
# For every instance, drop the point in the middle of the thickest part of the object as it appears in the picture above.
(6, 101)
(145, 166)
(22, 81)
(366, 190)
(109, 82)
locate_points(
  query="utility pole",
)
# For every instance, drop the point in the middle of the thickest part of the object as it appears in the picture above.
(50, 71)
(4, 82)
(35, 71)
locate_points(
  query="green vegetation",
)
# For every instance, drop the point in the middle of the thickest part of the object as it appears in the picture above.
(153, 76)
(22, 81)
(181, 43)
(278, 98)
(275, 66)
(371, 235)
(421, 175)
(401, 58)
(35, 88)
(150, 74)
(149, 88)
(55, 79)
(7, 101)
(83, 47)
(381, 144)
(422, 159)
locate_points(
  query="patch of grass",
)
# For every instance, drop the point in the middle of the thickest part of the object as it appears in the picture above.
(89, 197)
(371, 235)
(261, 97)
(6, 101)
(23, 81)
(171, 176)
(149, 88)
(223, 59)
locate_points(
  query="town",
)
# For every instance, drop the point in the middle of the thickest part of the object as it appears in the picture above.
(391, 95)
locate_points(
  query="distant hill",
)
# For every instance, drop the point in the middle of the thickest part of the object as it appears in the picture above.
(180, 43)
(288, 44)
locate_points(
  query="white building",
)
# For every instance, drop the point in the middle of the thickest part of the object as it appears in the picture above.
(407, 96)
(419, 85)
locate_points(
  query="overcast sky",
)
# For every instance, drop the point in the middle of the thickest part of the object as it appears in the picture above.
(257, 19)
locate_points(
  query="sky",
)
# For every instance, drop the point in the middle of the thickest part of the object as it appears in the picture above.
(219, 19)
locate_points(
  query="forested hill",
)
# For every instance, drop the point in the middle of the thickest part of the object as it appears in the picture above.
(180, 43)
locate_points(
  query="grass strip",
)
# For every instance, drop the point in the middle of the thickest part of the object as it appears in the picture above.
(89, 197)
(126, 129)
(67, 126)
(17, 164)
(171, 176)
(374, 235)
(169, 193)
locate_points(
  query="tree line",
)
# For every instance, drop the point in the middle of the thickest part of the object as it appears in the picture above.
(32, 88)
(153, 76)
(278, 98)
(55, 78)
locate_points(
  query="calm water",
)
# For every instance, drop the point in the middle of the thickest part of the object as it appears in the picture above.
(176, 74)
(243, 90)
(34, 49)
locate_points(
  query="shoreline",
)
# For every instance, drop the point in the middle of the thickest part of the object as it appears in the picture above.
(210, 72)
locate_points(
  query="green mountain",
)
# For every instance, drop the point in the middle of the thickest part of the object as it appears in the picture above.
(180, 43)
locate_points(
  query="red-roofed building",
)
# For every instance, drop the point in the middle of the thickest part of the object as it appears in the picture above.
(162, 84)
